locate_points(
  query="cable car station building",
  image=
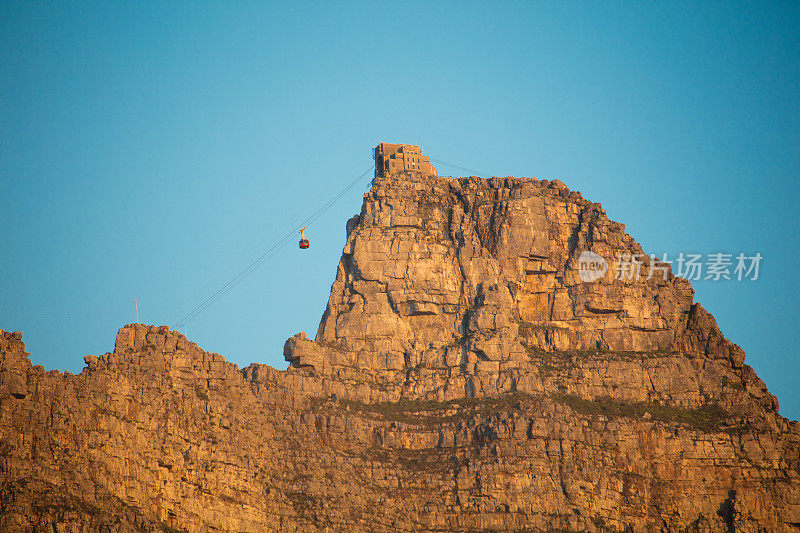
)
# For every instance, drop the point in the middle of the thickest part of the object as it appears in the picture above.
(391, 159)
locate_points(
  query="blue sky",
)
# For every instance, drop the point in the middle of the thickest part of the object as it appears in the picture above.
(152, 150)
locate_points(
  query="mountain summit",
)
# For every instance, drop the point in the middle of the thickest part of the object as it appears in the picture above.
(495, 355)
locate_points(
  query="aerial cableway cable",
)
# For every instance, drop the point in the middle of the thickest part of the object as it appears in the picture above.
(475, 172)
(269, 253)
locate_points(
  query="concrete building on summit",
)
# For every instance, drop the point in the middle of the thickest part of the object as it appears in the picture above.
(401, 159)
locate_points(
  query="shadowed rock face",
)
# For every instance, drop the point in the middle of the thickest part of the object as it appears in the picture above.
(463, 378)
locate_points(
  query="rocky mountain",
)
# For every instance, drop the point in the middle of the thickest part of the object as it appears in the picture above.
(465, 377)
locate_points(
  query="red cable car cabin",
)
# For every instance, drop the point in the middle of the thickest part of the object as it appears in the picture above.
(303, 241)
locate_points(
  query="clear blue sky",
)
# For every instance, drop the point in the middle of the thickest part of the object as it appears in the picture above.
(150, 150)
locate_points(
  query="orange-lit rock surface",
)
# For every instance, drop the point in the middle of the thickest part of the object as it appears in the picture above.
(463, 378)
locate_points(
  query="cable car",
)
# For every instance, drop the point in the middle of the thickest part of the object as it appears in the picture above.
(303, 241)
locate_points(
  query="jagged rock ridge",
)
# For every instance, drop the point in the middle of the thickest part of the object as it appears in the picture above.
(463, 378)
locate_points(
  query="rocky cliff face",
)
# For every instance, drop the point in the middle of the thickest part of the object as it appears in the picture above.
(463, 378)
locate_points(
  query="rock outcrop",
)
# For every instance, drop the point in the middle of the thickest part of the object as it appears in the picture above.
(464, 377)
